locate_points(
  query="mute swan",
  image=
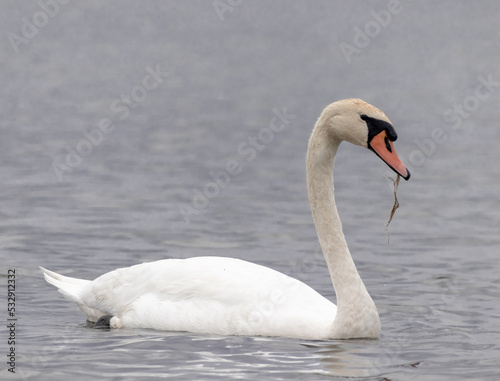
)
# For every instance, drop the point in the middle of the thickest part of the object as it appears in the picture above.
(225, 296)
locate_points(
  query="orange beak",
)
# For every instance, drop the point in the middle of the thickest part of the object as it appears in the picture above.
(383, 147)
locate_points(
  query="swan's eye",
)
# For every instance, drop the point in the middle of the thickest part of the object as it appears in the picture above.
(387, 144)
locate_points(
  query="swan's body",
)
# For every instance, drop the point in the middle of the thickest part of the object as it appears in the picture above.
(233, 297)
(222, 296)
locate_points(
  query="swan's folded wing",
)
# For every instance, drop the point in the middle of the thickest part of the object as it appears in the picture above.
(208, 294)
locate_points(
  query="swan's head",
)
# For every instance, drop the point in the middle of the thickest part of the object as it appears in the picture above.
(360, 123)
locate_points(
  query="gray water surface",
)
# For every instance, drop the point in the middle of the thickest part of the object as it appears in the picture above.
(82, 203)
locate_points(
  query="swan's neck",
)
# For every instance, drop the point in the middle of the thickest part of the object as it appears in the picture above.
(356, 313)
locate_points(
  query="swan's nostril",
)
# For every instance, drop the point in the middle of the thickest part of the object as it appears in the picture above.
(387, 144)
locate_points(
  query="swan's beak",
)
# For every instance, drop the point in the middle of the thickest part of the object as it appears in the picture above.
(383, 147)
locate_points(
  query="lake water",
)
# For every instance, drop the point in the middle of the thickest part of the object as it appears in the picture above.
(180, 90)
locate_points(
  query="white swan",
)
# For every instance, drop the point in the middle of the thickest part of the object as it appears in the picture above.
(227, 296)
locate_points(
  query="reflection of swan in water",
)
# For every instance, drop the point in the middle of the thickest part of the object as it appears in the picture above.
(347, 358)
(221, 295)
(360, 358)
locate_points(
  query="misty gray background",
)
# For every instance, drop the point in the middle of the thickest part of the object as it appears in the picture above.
(435, 284)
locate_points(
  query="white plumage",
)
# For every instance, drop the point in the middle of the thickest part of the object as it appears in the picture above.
(227, 296)
(212, 295)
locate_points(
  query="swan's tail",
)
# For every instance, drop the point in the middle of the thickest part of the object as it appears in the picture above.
(75, 290)
(70, 287)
